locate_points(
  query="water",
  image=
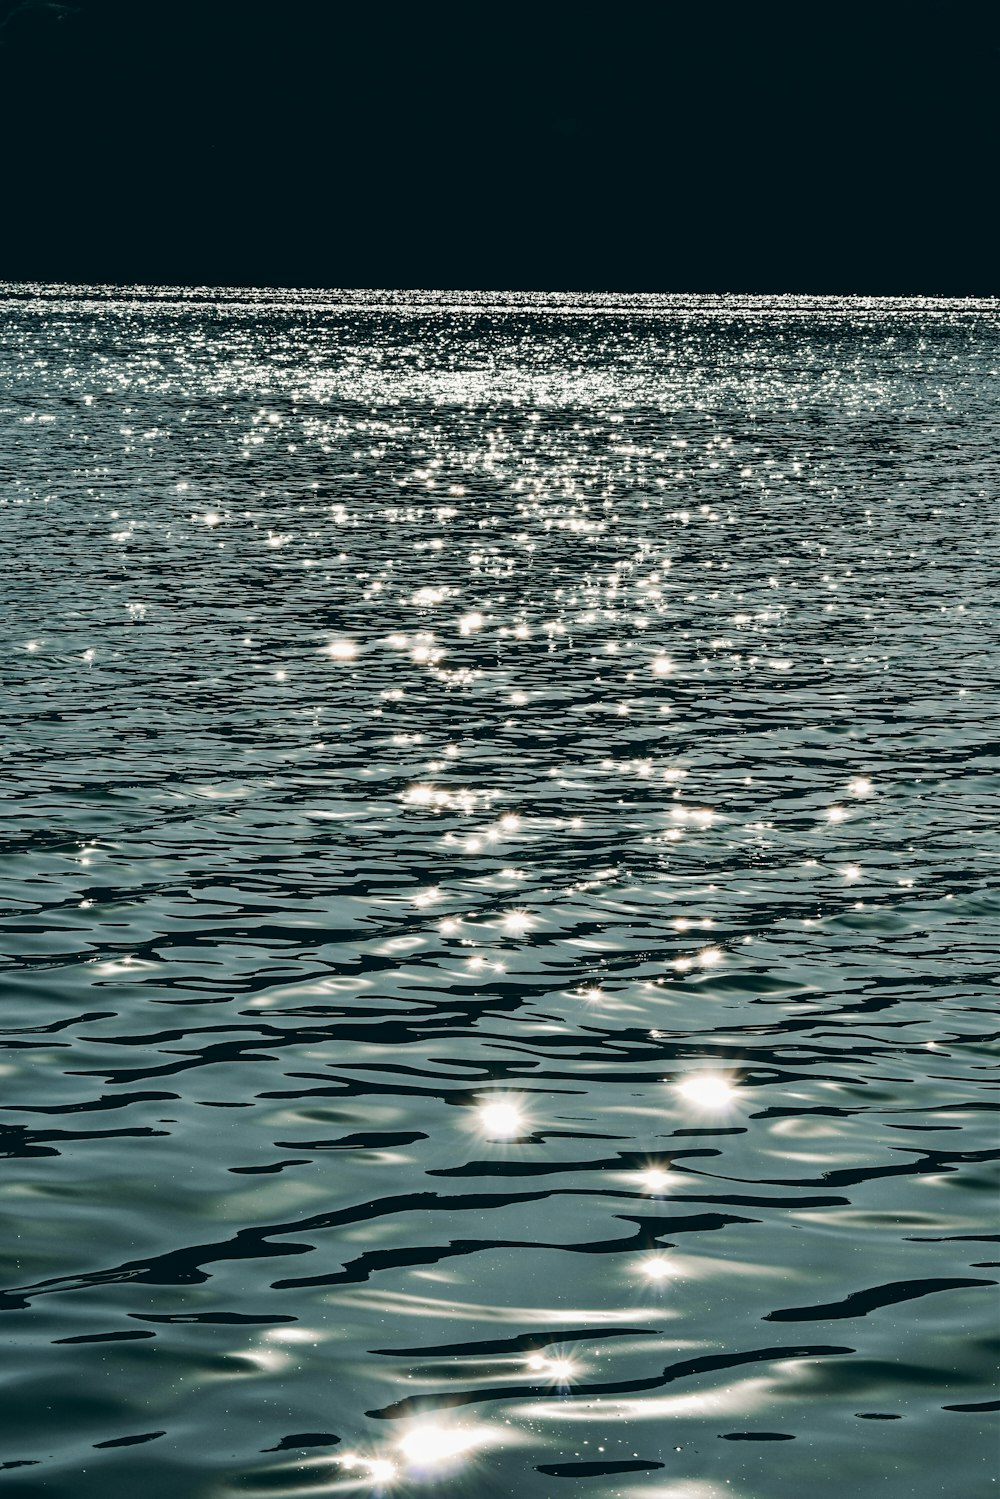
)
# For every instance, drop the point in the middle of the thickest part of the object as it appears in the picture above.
(499, 924)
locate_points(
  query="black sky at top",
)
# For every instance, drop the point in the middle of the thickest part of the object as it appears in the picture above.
(717, 147)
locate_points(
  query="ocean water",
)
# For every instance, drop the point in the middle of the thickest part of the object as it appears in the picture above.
(499, 908)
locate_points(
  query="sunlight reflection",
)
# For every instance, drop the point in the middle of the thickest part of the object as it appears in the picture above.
(341, 650)
(711, 1092)
(331, 852)
(559, 1370)
(501, 1118)
(655, 1180)
(431, 1445)
(378, 1470)
(656, 1268)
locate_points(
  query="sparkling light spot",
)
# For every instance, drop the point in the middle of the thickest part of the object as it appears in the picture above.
(341, 650)
(710, 1091)
(655, 1179)
(662, 666)
(431, 1446)
(500, 1119)
(419, 796)
(656, 1267)
(860, 786)
(382, 1470)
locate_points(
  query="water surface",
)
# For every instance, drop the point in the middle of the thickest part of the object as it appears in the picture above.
(499, 912)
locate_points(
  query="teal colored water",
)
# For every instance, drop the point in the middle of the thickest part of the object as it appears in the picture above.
(499, 909)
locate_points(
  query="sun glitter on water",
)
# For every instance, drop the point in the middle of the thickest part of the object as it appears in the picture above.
(708, 1092)
(655, 1180)
(431, 1446)
(341, 650)
(500, 1118)
(656, 1269)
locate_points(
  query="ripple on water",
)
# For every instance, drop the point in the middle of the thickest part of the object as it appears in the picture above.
(498, 909)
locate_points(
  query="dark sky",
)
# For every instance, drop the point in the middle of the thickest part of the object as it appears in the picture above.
(709, 147)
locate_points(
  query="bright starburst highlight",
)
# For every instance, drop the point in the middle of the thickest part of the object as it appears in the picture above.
(516, 923)
(341, 650)
(656, 1268)
(860, 786)
(559, 1370)
(379, 1470)
(654, 1179)
(433, 1446)
(501, 1119)
(710, 1091)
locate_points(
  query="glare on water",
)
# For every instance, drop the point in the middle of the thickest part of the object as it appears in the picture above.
(501, 1118)
(711, 1092)
(499, 891)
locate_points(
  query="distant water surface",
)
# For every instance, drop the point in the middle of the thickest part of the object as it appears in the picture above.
(499, 909)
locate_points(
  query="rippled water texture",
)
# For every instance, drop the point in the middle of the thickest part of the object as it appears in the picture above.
(500, 813)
